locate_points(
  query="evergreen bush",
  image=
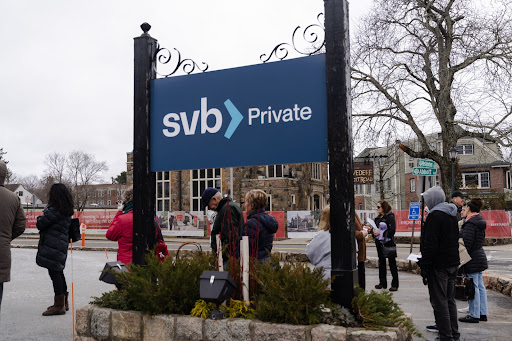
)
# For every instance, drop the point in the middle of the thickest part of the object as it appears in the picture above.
(169, 287)
(293, 293)
(378, 311)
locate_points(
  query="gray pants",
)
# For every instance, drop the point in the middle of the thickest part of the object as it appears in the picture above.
(441, 288)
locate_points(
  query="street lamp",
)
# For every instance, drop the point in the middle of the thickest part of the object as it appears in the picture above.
(453, 157)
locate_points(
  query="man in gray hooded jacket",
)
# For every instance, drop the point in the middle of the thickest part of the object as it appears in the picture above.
(440, 260)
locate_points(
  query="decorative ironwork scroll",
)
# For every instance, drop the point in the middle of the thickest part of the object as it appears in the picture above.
(173, 62)
(312, 40)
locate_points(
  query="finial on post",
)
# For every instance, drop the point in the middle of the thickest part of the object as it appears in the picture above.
(145, 27)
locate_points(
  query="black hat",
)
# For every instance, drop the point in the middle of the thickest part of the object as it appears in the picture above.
(207, 195)
(458, 194)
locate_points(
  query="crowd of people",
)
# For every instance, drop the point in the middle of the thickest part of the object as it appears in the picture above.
(447, 225)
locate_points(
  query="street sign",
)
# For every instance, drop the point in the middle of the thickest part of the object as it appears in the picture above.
(424, 171)
(414, 211)
(263, 114)
(426, 163)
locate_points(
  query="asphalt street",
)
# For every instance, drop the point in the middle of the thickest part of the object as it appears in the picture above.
(499, 257)
(30, 292)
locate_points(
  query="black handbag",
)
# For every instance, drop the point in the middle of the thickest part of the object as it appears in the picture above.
(464, 288)
(108, 275)
(389, 251)
(74, 230)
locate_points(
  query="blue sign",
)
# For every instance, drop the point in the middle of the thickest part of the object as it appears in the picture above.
(414, 211)
(255, 115)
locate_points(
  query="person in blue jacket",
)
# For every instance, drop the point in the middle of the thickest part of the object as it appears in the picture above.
(260, 226)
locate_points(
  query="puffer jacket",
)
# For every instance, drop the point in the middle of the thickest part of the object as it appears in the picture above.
(260, 228)
(52, 250)
(473, 234)
(121, 230)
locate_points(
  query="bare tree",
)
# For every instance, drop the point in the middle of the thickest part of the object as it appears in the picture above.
(77, 170)
(56, 166)
(435, 65)
(83, 170)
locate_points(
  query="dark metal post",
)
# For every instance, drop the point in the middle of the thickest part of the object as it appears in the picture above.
(144, 181)
(453, 176)
(339, 118)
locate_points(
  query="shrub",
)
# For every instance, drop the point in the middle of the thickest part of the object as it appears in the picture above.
(378, 311)
(293, 293)
(160, 287)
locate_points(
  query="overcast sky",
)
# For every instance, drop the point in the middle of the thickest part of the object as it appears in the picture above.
(66, 73)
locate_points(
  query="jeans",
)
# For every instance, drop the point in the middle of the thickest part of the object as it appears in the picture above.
(441, 289)
(382, 268)
(58, 281)
(478, 305)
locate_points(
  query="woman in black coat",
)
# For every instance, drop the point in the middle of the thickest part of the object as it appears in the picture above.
(473, 234)
(52, 250)
(385, 222)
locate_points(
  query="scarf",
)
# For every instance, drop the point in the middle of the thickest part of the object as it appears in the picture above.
(128, 207)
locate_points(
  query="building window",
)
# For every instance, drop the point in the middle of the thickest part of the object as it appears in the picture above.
(108, 202)
(269, 203)
(376, 186)
(388, 185)
(100, 193)
(292, 199)
(508, 178)
(274, 171)
(202, 179)
(20, 193)
(476, 180)
(360, 206)
(109, 193)
(316, 171)
(368, 188)
(316, 202)
(412, 183)
(102, 202)
(465, 149)
(163, 191)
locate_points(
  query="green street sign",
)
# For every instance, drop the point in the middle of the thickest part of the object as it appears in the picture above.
(424, 171)
(426, 163)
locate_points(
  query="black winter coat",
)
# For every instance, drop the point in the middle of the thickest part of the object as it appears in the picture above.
(52, 250)
(260, 227)
(439, 241)
(389, 219)
(473, 234)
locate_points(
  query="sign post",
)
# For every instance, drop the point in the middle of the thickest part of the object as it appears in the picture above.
(414, 214)
(341, 185)
(144, 181)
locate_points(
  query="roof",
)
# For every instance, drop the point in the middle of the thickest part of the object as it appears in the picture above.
(12, 187)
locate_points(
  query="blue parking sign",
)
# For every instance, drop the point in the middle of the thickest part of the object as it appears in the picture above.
(414, 211)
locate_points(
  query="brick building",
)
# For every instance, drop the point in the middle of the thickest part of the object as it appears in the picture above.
(302, 186)
(481, 169)
(103, 195)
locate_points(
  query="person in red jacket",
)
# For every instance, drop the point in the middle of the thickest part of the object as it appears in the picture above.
(121, 228)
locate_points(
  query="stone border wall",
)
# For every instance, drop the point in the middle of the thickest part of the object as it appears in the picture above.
(101, 324)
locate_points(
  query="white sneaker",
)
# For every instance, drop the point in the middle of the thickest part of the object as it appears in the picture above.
(463, 310)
